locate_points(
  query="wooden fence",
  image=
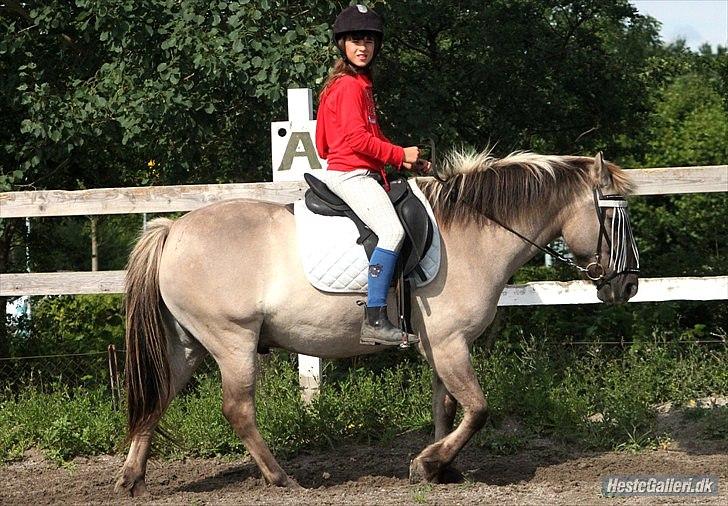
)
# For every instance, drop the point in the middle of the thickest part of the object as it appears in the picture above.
(163, 199)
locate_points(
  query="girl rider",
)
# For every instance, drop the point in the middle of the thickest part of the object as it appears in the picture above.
(349, 138)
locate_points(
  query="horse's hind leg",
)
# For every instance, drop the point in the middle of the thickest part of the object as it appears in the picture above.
(444, 407)
(238, 369)
(185, 355)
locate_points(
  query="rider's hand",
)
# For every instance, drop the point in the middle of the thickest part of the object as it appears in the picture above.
(411, 154)
(421, 167)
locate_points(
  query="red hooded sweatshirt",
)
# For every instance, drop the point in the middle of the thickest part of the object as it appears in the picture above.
(347, 132)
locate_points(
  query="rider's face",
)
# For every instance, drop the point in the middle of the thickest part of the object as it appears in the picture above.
(359, 49)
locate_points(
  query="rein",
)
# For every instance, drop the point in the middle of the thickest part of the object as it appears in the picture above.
(623, 238)
(547, 249)
(620, 241)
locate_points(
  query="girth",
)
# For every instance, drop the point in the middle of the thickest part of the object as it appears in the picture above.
(410, 210)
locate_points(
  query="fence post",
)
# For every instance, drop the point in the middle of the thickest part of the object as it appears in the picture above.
(114, 377)
(309, 377)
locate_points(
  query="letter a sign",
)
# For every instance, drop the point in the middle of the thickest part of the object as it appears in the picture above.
(292, 141)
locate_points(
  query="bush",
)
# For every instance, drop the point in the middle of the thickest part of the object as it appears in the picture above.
(63, 424)
(65, 324)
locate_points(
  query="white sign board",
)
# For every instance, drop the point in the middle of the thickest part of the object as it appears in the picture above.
(293, 142)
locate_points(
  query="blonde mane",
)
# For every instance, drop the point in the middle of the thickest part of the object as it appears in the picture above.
(509, 189)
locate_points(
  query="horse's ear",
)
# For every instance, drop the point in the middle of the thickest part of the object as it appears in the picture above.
(599, 172)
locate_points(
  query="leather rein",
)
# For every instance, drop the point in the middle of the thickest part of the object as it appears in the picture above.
(594, 270)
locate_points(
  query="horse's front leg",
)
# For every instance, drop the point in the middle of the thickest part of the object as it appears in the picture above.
(444, 408)
(451, 362)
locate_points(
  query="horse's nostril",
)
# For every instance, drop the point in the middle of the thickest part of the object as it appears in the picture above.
(631, 289)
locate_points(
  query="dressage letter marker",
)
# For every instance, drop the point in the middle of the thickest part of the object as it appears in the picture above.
(295, 140)
(292, 142)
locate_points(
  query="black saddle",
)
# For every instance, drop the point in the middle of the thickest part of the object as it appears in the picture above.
(412, 213)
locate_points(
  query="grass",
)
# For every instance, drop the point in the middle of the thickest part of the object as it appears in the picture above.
(592, 398)
(421, 492)
(64, 423)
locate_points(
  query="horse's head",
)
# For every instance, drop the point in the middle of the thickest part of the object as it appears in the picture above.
(598, 233)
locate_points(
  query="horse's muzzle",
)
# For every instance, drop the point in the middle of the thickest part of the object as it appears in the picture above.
(619, 289)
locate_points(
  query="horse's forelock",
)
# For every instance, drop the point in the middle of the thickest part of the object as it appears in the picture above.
(509, 189)
(621, 181)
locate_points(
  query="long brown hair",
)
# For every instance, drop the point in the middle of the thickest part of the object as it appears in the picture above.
(340, 69)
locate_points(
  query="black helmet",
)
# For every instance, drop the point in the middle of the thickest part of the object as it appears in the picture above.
(358, 18)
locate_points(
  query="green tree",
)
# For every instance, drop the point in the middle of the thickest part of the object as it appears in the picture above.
(557, 75)
(98, 88)
(686, 234)
(94, 90)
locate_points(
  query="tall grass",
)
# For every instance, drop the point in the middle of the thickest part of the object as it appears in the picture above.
(63, 424)
(554, 391)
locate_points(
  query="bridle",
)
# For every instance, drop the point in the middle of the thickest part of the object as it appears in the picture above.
(620, 239)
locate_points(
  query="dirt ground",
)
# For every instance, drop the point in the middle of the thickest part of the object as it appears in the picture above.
(540, 472)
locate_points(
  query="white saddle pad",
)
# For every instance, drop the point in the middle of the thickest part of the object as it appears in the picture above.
(332, 259)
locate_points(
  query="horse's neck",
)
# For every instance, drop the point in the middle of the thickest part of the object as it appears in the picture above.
(496, 253)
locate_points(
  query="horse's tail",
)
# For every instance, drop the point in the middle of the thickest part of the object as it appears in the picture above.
(147, 377)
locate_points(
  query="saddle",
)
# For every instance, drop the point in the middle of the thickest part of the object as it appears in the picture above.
(418, 231)
(410, 210)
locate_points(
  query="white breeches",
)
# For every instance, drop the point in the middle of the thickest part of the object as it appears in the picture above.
(370, 202)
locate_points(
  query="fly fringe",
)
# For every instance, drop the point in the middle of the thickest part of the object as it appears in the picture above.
(147, 377)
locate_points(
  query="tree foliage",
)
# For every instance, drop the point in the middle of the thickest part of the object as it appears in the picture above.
(95, 89)
(556, 75)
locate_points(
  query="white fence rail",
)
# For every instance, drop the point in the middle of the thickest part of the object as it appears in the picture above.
(167, 199)
(161, 199)
(539, 293)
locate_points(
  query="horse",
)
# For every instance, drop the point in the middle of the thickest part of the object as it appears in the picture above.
(226, 280)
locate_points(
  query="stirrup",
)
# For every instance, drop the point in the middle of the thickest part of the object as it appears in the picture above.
(404, 343)
(376, 329)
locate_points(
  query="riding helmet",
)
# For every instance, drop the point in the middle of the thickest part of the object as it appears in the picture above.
(358, 18)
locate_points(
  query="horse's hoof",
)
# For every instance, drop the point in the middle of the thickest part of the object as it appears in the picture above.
(292, 484)
(450, 474)
(285, 481)
(131, 488)
(423, 472)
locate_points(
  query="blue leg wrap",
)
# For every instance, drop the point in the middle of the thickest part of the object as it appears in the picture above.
(381, 270)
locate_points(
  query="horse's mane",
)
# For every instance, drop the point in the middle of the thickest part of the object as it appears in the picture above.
(479, 185)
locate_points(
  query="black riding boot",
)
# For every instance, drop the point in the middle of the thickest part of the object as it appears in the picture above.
(377, 329)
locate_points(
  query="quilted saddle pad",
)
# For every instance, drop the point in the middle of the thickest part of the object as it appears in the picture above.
(332, 259)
